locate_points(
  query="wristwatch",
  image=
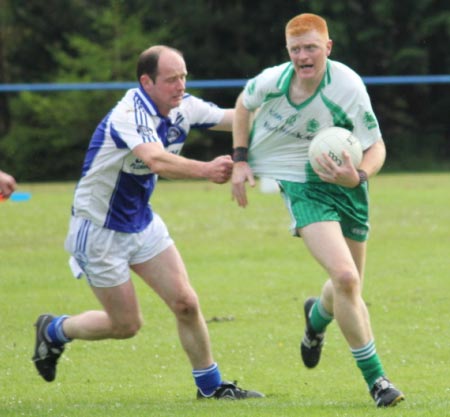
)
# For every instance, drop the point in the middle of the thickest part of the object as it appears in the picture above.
(363, 177)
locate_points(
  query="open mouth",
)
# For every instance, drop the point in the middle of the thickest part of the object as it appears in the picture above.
(306, 66)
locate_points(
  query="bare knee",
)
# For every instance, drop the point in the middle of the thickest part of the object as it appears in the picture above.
(186, 306)
(347, 282)
(126, 330)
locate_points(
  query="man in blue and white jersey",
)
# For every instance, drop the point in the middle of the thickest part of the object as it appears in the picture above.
(289, 104)
(113, 228)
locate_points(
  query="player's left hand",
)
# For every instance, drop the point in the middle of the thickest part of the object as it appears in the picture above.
(344, 175)
(241, 174)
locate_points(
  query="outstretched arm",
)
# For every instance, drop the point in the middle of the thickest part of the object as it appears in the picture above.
(226, 124)
(173, 166)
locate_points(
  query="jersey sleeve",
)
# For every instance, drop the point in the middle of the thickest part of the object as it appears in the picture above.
(366, 129)
(200, 113)
(265, 84)
(365, 123)
(131, 126)
(352, 91)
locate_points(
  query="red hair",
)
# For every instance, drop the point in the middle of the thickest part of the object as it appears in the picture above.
(306, 22)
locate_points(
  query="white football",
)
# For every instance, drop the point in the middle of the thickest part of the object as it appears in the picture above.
(332, 141)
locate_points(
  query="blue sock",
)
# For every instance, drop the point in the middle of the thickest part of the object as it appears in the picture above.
(207, 380)
(55, 332)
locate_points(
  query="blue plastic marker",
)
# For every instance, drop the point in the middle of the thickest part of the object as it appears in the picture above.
(20, 196)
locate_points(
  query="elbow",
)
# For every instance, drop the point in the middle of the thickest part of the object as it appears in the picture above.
(155, 166)
(374, 158)
(381, 151)
(153, 155)
(154, 160)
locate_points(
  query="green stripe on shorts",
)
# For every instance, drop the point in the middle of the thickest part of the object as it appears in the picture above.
(313, 202)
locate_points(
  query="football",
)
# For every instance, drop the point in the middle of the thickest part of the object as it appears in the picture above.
(332, 141)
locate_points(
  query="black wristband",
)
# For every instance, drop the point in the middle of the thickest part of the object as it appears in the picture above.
(240, 154)
(363, 177)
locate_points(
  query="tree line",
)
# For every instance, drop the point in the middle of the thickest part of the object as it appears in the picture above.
(43, 135)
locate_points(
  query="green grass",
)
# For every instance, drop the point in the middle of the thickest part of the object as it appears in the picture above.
(245, 266)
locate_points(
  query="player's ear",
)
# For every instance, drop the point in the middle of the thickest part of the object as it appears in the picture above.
(329, 47)
(146, 81)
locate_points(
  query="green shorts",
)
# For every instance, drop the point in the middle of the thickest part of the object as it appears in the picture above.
(313, 202)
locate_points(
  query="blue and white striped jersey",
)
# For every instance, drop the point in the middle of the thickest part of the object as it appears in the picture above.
(115, 186)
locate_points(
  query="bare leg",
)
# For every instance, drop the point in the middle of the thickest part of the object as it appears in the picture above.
(358, 251)
(330, 249)
(167, 275)
(120, 319)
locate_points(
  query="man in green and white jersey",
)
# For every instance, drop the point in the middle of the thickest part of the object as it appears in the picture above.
(292, 126)
(277, 115)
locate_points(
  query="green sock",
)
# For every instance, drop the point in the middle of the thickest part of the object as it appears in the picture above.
(368, 361)
(319, 318)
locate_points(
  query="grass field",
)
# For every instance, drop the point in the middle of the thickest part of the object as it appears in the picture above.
(248, 270)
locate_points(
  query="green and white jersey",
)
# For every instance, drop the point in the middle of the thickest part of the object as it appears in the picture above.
(282, 131)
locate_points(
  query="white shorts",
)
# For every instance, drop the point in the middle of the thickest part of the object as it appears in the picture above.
(105, 255)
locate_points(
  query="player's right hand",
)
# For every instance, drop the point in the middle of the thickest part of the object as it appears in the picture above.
(241, 174)
(220, 168)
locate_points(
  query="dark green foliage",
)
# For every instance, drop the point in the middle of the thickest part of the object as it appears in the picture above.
(44, 135)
